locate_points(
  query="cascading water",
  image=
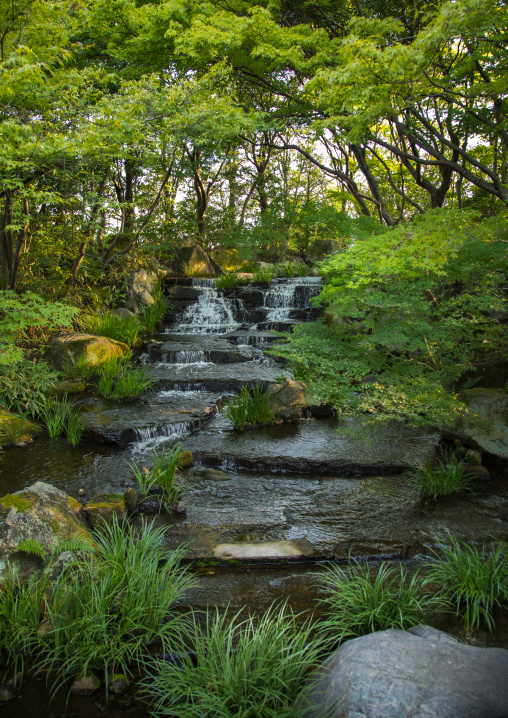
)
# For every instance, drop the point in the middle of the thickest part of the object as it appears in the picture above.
(210, 314)
(285, 295)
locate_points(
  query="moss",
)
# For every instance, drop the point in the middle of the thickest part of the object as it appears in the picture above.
(19, 503)
(185, 460)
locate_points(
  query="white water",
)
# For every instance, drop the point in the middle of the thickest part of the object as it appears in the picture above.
(284, 295)
(210, 314)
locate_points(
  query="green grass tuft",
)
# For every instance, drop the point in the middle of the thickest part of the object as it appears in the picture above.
(449, 476)
(123, 383)
(251, 668)
(153, 314)
(473, 580)
(230, 281)
(264, 276)
(361, 601)
(123, 329)
(249, 408)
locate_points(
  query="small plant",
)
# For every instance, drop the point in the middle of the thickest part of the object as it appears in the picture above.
(145, 479)
(447, 477)
(56, 414)
(302, 270)
(123, 329)
(164, 472)
(122, 383)
(287, 270)
(74, 428)
(249, 408)
(153, 314)
(24, 386)
(264, 276)
(79, 368)
(230, 281)
(474, 581)
(254, 667)
(360, 603)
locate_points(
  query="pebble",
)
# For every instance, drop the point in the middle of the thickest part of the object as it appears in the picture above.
(81, 492)
(180, 508)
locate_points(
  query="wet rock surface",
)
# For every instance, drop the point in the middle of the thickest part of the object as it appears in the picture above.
(489, 429)
(74, 346)
(105, 508)
(421, 672)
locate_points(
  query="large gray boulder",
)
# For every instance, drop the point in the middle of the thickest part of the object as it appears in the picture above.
(320, 249)
(421, 673)
(192, 259)
(486, 426)
(140, 288)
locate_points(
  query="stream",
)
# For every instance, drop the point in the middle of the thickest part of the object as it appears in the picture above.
(265, 507)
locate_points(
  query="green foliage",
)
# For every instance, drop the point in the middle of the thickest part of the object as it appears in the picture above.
(164, 474)
(13, 432)
(448, 476)
(254, 667)
(361, 603)
(56, 414)
(472, 580)
(74, 429)
(145, 479)
(414, 308)
(153, 314)
(287, 270)
(121, 383)
(264, 276)
(230, 281)
(123, 329)
(102, 611)
(24, 386)
(32, 546)
(302, 270)
(249, 408)
(26, 321)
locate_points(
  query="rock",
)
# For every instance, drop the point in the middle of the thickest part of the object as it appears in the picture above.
(192, 259)
(488, 430)
(103, 509)
(65, 559)
(39, 512)
(287, 400)
(15, 680)
(125, 313)
(320, 249)
(81, 492)
(14, 427)
(215, 475)
(140, 287)
(185, 460)
(6, 695)
(77, 345)
(45, 627)
(179, 508)
(69, 386)
(227, 259)
(131, 497)
(421, 672)
(322, 410)
(118, 683)
(85, 685)
(184, 294)
(472, 457)
(478, 472)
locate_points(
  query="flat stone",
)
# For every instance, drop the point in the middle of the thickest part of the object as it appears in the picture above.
(263, 549)
(420, 673)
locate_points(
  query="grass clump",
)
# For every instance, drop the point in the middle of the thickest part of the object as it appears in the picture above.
(264, 276)
(449, 476)
(230, 281)
(122, 329)
(249, 409)
(236, 668)
(361, 603)
(287, 270)
(302, 270)
(153, 314)
(118, 382)
(61, 417)
(102, 611)
(473, 580)
(163, 473)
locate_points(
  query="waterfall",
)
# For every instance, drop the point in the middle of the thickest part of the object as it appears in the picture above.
(210, 314)
(284, 295)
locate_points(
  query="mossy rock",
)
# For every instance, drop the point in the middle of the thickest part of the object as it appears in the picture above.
(69, 386)
(11, 425)
(131, 498)
(78, 346)
(104, 508)
(41, 512)
(185, 460)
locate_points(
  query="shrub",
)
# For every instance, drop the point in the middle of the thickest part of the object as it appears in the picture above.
(447, 477)
(287, 270)
(246, 668)
(230, 281)
(360, 603)
(24, 386)
(123, 329)
(103, 610)
(153, 314)
(249, 408)
(474, 581)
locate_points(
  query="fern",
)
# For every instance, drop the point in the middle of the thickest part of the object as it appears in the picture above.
(32, 546)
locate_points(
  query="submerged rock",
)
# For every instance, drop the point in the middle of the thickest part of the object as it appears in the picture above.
(103, 509)
(287, 400)
(421, 672)
(6, 695)
(40, 512)
(69, 386)
(77, 345)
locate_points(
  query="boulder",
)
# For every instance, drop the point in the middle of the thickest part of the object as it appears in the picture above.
(40, 512)
(420, 673)
(287, 400)
(85, 685)
(140, 288)
(125, 313)
(192, 259)
(320, 249)
(14, 428)
(77, 345)
(131, 498)
(69, 386)
(486, 425)
(227, 259)
(102, 509)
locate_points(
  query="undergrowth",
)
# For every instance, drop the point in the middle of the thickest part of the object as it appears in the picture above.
(122, 329)
(448, 476)
(249, 409)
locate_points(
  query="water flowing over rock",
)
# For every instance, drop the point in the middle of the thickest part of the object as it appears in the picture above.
(420, 673)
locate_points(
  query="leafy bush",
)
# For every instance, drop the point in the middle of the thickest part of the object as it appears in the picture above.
(26, 320)
(123, 329)
(103, 610)
(360, 603)
(447, 477)
(25, 385)
(414, 306)
(249, 408)
(239, 668)
(153, 314)
(473, 581)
